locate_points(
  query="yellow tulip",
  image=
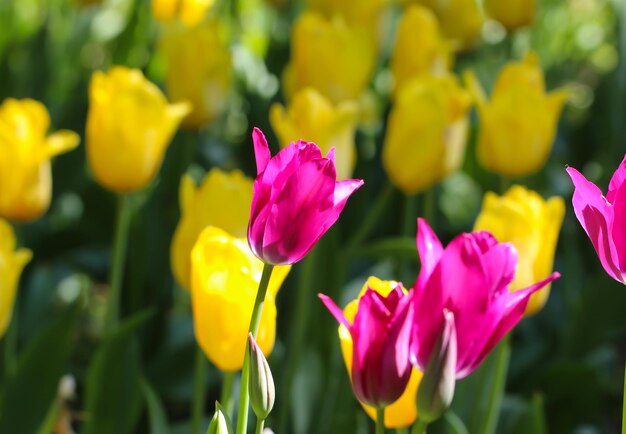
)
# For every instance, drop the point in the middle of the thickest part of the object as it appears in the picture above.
(461, 20)
(426, 133)
(532, 225)
(199, 70)
(189, 12)
(355, 12)
(223, 200)
(225, 276)
(512, 14)
(330, 56)
(12, 263)
(518, 125)
(402, 412)
(313, 118)
(419, 48)
(25, 152)
(129, 126)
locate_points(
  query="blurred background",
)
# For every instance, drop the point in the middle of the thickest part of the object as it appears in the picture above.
(566, 370)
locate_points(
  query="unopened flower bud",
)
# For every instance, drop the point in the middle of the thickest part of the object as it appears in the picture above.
(220, 424)
(261, 385)
(436, 390)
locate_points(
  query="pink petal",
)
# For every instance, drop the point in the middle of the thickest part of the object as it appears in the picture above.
(617, 180)
(261, 150)
(331, 154)
(596, 217)
(334, 310)
(302, 209)
(343, 190)
(430, 250)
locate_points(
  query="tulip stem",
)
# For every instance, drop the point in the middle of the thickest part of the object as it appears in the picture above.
(117, 267)
(419, 427)
(244, 398)
(197, 406)
(380, 420)
(259, 426)
(371, 218)
(226, 398)
(496, 387)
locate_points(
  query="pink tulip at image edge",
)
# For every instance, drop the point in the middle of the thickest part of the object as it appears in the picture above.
(296, 200)
(604, 218)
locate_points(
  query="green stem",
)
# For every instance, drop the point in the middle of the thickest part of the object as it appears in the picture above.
(226, 398)
(380, 420)
(299, 317)
(404, 430)
(504, 184)
(419, 427)
(410, 216)
(429, 202)
(244, 398)
(371, 218)
(117, 267)
(624, 404)
(197, 406)
(496, 389)
(259, 426)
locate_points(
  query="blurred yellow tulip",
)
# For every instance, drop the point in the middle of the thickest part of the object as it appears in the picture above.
(419, 48)
(532, 225)
(403, 412)
(313, 118)
(355, 12)
(12, 263)
(512, 14)
(25, 152)
(518, 125)
(461, 20)
(426, 133)
(223, 200)
(225, 276)
(330, 56)
(199, 70)
(189, 12)
(129, 126)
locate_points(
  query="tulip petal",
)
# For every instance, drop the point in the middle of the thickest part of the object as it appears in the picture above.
(430, 250)
(334, 310)
(305, 198)
(513, 306)
(261, 150)
(618, 231)
(616, 181)
(596, 217)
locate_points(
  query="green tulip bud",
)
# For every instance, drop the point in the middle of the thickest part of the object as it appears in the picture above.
(261, 385)
(220, 424)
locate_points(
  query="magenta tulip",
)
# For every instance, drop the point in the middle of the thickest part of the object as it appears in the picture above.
(381, 333)
(604, 218)
(296, 200)
(466, 283)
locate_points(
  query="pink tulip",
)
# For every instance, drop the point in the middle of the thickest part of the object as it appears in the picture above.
(381, 333)
(296, 200)
(466, 285)
(604, 218)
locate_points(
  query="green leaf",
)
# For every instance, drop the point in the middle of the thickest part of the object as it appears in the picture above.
(29, 395)
(114, 396)
(156, 412)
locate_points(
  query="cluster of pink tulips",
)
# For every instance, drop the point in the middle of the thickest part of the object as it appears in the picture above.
(460, 305)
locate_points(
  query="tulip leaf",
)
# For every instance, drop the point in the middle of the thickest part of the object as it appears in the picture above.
(114, 396)
(156, 413)
(29, 395)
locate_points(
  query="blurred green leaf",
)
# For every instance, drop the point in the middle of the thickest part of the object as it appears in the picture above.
(156, 412)
(29, 394)
(114, 396)
(522, 417)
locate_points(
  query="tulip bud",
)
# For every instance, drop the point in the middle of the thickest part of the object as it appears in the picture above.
(436, 390)
(220, 424)
(261, 385)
